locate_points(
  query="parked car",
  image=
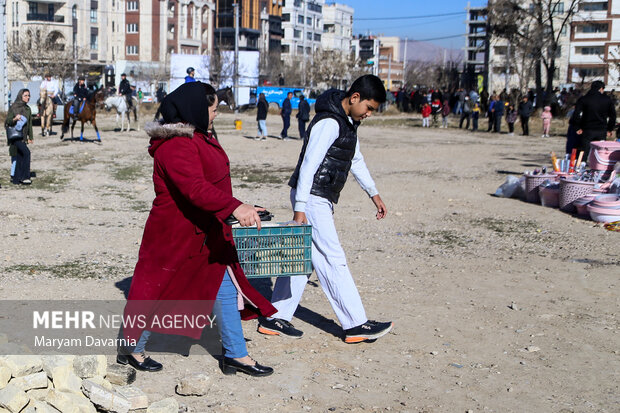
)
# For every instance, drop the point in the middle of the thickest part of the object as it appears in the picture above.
(147, 97)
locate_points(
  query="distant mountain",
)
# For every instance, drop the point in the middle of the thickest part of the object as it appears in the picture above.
(429, 52)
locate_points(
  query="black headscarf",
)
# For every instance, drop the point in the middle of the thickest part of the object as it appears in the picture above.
(189, 103)
(19, 107)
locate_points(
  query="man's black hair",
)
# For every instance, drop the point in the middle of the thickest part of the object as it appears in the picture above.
(597, 84)
(369, 87)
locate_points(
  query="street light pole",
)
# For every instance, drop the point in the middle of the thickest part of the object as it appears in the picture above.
(4, 79)
(236, 74)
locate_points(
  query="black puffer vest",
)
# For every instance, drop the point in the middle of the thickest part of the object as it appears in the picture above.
(332, 174)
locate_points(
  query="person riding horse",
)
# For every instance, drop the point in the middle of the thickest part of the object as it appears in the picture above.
(125, 89)
(80, 92)
(51, 85)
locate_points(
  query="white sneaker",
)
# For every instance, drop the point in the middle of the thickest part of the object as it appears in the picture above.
(257, 138)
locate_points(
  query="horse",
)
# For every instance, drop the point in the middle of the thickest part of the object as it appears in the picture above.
(87, 114)
(46, 112)
(120, 104)
(226, 95)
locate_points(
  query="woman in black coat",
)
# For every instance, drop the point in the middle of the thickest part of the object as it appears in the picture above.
(19, 115)
(261, 117)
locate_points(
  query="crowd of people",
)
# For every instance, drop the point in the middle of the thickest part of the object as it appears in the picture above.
(469, 106)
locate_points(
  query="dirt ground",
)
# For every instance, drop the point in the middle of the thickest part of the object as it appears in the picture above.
(498, 305)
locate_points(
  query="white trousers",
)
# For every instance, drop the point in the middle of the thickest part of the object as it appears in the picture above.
(331, 268)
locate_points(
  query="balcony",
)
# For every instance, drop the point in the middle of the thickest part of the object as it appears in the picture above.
(42, 17)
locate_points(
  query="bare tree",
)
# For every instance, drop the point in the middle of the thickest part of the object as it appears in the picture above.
(330, 68)
(533, 28)
(221, 67)
(269, 67)
(42, 50)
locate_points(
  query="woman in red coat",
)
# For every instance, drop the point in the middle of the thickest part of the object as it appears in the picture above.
(187, 251)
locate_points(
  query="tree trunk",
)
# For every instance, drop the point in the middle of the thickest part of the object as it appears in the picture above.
(538, 73)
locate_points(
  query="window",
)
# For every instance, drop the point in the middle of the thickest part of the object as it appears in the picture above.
(563, 31)
(317, 37)
(286, 17)
(132, 27)
(584, 72)
(300, 50)
(285, 49)
(33, 8)
(94, 40)
(315, 7)
(300, 19)
(74, 12)
(112, 26)
(93, 15)
(296, 33)
(16, 38)
(132, 50)
(297, 3)
(132, 6)
(15, 15)
(309, 21)
(557, 9)
(593, 28)
(600, 6)
(171, 7)
(590, 50)
(309, 36)
(500, 50)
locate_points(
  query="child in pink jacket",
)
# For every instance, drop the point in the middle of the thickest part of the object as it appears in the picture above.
(546, 119)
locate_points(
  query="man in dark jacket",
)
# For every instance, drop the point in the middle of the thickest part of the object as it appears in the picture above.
(498, 115)
(125, 89)
(594, 117)
(285, 112)
(525, 111)
(303, 116)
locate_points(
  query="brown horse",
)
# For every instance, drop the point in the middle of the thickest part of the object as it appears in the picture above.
(86, 115)
(46, 111)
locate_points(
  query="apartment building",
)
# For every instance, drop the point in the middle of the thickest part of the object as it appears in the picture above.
(249, 24)
(337, 27)
(391, 69)
(366, 50)
(270, 27)
(130, 36)
(302, 23)
(476, 63)
(595, 43)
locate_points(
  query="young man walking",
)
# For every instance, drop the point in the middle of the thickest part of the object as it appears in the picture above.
(329, 152)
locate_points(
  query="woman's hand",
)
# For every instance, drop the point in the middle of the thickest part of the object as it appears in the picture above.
(247, 215)
(16, 118)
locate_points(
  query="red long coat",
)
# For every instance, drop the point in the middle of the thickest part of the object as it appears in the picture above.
(186, 247)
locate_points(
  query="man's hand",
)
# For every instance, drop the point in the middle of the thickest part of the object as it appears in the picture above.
(30, 141)
(247, 215)
(381, 208)
(16, 118)
(300, 217)
(579, 131)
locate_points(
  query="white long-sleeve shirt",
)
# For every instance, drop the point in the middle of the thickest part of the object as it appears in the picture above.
(324, 133)
(51, 86)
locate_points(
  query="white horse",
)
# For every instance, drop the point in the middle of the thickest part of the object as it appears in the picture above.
(120, 104)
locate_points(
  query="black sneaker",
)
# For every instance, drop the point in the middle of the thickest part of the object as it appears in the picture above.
(277, 326)
(370, 330)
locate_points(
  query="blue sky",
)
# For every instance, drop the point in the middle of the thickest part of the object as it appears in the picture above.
(422, 28)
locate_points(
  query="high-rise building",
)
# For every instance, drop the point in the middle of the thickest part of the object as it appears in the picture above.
(114, 36)
(249, 24)
(476, 62)
(337, 27)
(271, 27)
(366, 50)
(302, 22)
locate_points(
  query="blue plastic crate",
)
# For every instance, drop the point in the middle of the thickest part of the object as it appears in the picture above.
(274, 251)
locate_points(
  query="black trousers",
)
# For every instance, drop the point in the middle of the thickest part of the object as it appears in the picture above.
(302, 128)
(589, 135)
(491, 121)
(22, 162)
(497, 124)
(286, 122)
(463, 117)
(511, 127)
(524, 124)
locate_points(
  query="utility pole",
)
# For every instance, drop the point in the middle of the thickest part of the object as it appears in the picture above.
(4, 79)
(236, 75)
(303, 36)
(507, 67)
(389, 79)
(405, 62)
